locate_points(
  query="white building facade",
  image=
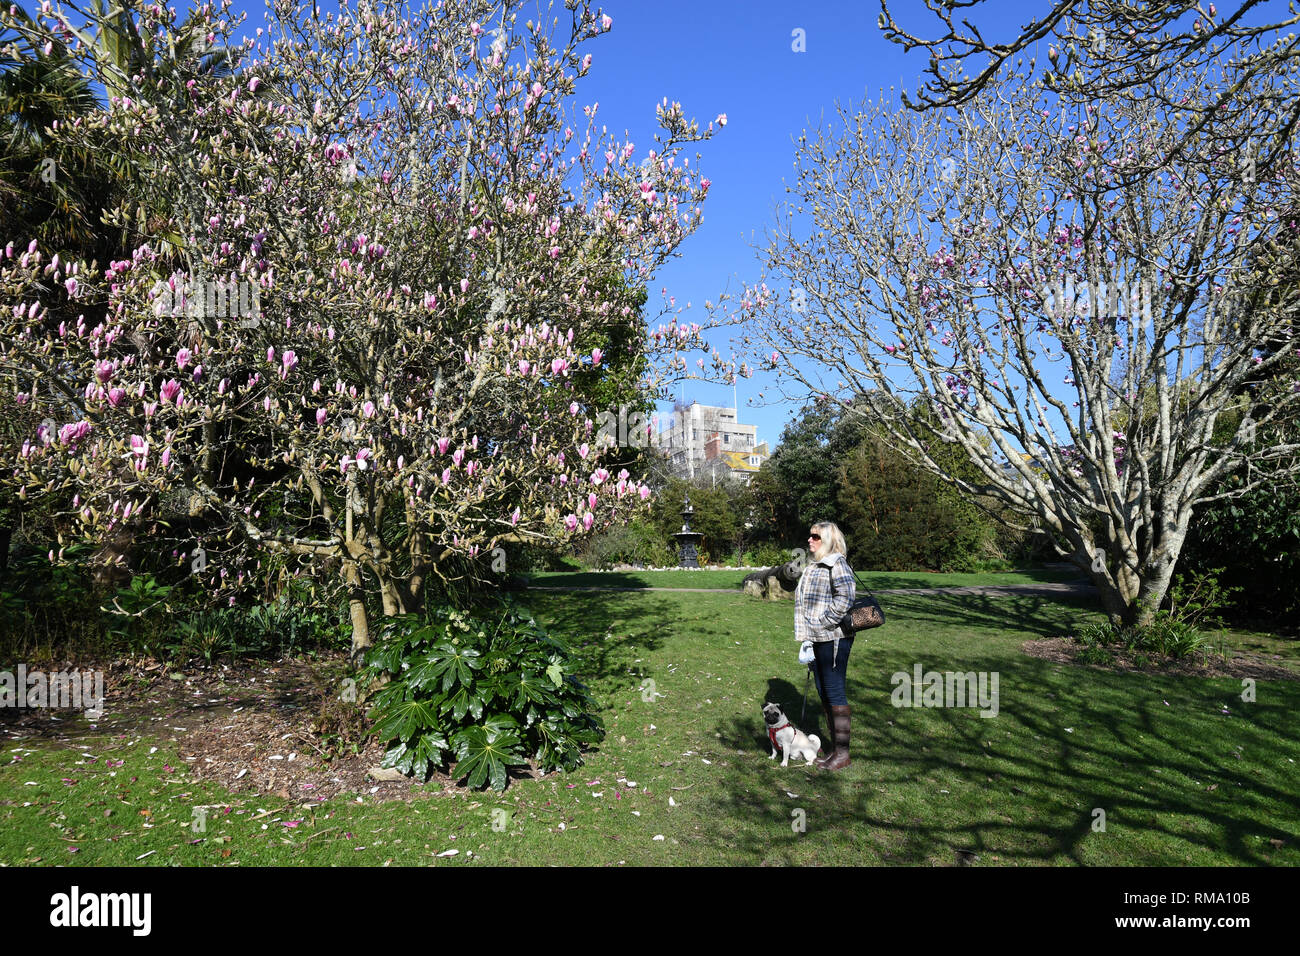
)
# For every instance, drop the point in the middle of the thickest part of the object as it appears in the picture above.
(707, 439)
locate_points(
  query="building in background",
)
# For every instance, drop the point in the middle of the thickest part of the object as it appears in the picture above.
(708, 440)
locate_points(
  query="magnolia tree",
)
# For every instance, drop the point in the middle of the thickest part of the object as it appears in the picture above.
(1077, 327)
(377, 269)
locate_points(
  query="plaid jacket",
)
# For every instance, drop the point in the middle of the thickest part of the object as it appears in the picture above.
(817, 615)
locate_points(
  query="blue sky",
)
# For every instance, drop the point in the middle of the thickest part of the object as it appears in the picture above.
(738, 58)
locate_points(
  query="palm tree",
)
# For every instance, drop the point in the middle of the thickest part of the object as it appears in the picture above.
(48, 192)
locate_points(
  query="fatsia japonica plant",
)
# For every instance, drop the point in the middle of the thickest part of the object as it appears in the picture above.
(494, 689)
(380, 258)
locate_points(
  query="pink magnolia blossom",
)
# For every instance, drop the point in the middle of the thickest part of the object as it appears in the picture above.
(599, 475)
(596, 356)
(321, 415)
(573, 408)
(442, 445)
(73, 432)
(183, 357)
(104, 371)
(587, 521)
(458, 456)
(591, 500)
(115, 396)
(170, 390)
(583, 450)
(514, 518)
(571, 522)
(368, 409)
(523, 367)
(644, 492)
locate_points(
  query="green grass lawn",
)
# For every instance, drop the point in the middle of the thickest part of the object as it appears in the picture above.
(1185, 772)
(733, 579)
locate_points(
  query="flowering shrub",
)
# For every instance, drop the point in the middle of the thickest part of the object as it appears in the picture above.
(426, 266)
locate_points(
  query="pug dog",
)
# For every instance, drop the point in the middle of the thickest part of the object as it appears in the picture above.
(792, 742)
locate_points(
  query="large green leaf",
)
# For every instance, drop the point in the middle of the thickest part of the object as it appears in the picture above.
(457, 664)
(483, 756)
(405, 720)
(464, 701)
(530, 688)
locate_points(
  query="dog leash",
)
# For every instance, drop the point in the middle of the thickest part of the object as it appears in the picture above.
(803, 713)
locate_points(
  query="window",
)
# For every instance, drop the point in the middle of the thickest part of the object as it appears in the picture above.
(726, 439)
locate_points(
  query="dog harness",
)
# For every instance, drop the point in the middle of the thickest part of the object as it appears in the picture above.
(771, 732)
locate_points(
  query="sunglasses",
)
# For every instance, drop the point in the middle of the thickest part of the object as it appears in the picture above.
(814, 537)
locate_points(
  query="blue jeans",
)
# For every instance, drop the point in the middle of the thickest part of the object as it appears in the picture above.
(830, 669)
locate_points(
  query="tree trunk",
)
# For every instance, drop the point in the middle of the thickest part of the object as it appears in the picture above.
(356, 608)
(1131, 599)
(394, 597)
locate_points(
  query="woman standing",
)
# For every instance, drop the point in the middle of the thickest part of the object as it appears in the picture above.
(823, 596)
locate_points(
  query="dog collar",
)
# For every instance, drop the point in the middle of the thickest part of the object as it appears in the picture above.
(771, 731)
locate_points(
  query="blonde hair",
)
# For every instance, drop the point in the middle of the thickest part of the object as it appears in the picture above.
(832, 537)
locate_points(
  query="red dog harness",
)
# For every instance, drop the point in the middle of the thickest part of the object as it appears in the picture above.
(771, 732)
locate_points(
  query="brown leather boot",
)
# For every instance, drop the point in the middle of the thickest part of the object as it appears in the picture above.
(828, 744)
(840, 758)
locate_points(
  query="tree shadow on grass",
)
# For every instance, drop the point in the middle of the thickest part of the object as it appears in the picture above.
(608, 632)
(1173, 775)
(1043, 615)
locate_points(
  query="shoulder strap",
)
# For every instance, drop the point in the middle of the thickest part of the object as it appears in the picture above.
(859, 583)
(856, 582)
